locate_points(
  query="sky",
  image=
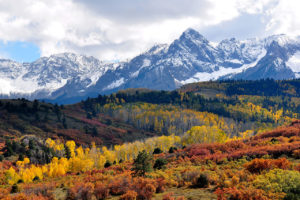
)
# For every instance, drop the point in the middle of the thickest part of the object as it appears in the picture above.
(113, 30)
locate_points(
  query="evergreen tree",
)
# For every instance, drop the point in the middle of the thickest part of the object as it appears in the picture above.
(64, 122)
(35, 105)
(94, 131)
(160, 163)
(157, 151)
(142, 164)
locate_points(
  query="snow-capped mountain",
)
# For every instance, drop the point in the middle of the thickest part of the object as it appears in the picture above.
(41, 78)
(68, 77)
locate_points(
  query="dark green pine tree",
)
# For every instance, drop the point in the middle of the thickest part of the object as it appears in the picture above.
(142, 164)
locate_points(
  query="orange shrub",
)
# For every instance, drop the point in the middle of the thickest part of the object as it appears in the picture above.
(281, 163)
(3, 193)
(82, 191)
(147, 192)
(22, 196)
(297, 167)
(258, 165)
(241, 194)
(168, 196)
(161, 183)
(129, 195)
(296, 154)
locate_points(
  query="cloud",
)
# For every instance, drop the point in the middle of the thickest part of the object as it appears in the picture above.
(119, 29)
(284, 18)
(146, 11)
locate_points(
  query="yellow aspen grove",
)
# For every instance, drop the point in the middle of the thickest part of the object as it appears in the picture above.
(71, 145)
(203, 134)
(50, 143)
(84, 159)
(101, 161)
(12, 176)
(23, 163)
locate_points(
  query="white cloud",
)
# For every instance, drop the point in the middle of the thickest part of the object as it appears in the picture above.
(284, 18)
(118, 29)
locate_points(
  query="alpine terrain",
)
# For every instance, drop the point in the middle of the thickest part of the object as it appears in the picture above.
(68, 78)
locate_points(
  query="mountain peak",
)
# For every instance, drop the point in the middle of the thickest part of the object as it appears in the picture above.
(192, 34)
(281, 39)
(190, 31)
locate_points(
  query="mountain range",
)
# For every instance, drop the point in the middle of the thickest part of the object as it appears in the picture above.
(68, 77)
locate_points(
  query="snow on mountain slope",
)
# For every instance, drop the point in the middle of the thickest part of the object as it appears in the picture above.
(47, 74)
(67, 77)
(294, 64)
(222, 71)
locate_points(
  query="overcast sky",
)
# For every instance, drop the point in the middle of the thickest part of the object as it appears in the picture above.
(121, 29)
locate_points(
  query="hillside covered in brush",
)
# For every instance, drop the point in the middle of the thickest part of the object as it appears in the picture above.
(265, 166)
(21, 117)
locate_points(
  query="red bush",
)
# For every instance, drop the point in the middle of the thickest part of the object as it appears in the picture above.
(292, 130)
(101, 191)
(198, 152)
(120, 185)
(241, 194)
(258, 165)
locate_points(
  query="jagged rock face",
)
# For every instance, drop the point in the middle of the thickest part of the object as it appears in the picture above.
(273, 65)
(67, 78)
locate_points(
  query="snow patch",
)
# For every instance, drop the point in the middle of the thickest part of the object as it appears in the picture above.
(294, 63)
(214, 44)
(115, 84)
(205, 76)
(146, 63)
(6, 87)
(236, 61)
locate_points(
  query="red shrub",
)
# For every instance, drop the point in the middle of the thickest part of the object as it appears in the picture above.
(258, 165)
(292, 130)
(241, 194)
(120, 185)
(101, 191)
(93, 122)
(198, 152)
(147, 192)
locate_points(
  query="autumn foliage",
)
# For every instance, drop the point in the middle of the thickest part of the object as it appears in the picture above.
(254, 168)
